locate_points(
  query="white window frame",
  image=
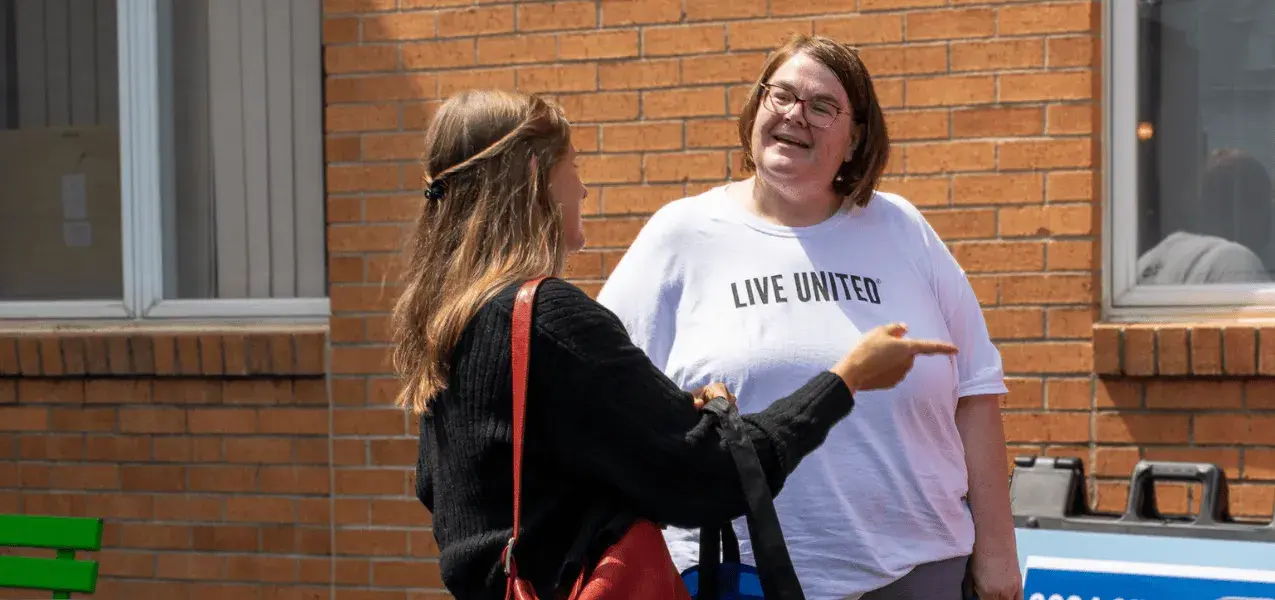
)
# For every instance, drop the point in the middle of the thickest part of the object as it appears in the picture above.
(1123, 298)
(141, 202)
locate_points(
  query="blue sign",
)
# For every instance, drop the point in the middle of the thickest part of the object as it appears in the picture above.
(1050, 578)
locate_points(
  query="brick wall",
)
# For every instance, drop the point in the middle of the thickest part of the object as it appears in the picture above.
(215, 484)
(206, 453)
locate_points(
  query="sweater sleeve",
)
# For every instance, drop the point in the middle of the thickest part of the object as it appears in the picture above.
(617, 419)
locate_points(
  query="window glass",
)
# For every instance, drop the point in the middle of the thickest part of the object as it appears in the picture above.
(1206, 141)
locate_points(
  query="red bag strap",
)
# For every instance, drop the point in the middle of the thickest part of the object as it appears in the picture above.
(520, 352)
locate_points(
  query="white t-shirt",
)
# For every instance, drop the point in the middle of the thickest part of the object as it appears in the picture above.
(713, 293)
(1192, 258)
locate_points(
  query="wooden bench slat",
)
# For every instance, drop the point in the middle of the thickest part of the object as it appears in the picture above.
(48, 574)
(66, 533)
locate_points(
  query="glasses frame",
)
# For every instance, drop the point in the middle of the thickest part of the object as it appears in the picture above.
(803, 102)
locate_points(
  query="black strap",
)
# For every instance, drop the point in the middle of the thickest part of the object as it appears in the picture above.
(774, 566)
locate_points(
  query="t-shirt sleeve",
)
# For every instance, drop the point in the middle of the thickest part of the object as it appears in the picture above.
(978, 362)
(644, 287)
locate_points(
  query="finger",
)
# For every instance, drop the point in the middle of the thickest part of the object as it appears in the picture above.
(896, 329)
(931, 347)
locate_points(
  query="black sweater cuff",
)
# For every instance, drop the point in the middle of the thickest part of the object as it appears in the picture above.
(799, 423)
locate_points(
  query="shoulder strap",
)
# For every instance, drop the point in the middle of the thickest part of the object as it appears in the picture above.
(520, 353)
(774, 566)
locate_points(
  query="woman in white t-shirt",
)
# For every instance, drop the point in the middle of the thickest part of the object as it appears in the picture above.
(758, 283)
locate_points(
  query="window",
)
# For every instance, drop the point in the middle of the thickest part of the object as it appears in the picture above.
(161, 159)
(1190, 105)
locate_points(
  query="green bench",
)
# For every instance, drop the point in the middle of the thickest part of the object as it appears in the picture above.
(61, 575)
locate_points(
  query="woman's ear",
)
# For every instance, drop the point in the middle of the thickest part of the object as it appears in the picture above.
(856, 138)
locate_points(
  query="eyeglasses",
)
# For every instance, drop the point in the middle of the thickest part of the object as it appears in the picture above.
(818, 113)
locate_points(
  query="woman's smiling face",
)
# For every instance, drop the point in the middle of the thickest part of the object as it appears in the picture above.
(788, 150)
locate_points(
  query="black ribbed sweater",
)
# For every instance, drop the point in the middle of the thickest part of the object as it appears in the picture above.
(605, 438)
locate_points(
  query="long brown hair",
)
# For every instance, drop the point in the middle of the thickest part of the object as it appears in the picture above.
(859, 176)
(488, 220)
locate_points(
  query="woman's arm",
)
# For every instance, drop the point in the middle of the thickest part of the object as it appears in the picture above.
(616, 419)
(978, 419)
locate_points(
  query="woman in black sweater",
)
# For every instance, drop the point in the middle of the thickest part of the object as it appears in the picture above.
(606, 431)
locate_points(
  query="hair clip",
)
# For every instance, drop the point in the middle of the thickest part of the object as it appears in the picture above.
(435, 190)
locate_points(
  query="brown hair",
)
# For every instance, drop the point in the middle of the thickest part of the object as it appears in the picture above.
(859, 176)
(488, 220)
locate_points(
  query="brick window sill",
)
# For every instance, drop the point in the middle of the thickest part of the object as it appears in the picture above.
(1211, 349)
(289, 351)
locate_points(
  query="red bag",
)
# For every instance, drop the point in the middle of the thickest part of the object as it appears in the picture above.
(638, 566)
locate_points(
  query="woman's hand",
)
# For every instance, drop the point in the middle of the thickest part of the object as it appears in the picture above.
(882, 358)
(713, 390)
(996, 575)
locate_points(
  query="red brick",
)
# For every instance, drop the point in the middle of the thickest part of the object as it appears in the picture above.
(605, 107)
(611, 233)
(544, 16)
(402, 26)
(1040, 427)
(920, 190)
(684, 103)
(999, 256)
(1029, 87)
(1048, 357)
(340, 30)
(991, 55)
(1240, 350)
(1008, 188)
(862, 29)
(1069, 186)
(1046, 289)
(950, 90)
(476, 21)
(997, 122)
(1043, 154)
(705, 10)
(558, 78)
(632, 75)
(687, 166)
(1034, 17)
(867, 5)
(962, 224)
(632, 137)
(1064, 119)
(730, 68)
(1070, 255)
(598, 45)
(514, 49)
(336, 7)
(450, 82)
(950, 157)
(1046, 220)
(669, 41)
(1015, 323)
(638, 12)
(359, 59)
(918, 124)
(1071, 51)
(368, 117)
(909, 59)
(1206, 350)
(765, 35)
(1143, 429)
(950, 24)
(645, 199)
